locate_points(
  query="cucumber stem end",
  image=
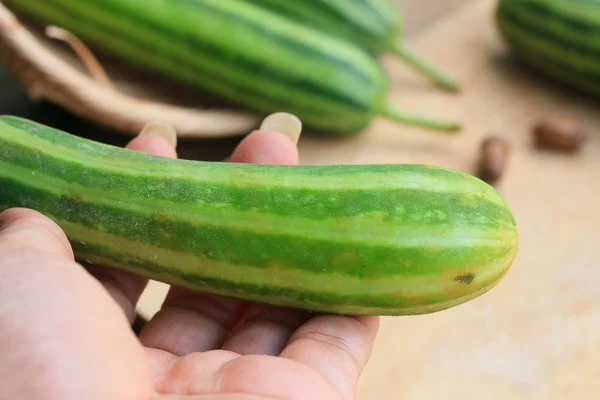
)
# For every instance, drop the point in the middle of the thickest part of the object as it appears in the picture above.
(402, 50)
(413, 119)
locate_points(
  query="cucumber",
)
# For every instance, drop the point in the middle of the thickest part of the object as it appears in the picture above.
(344, 239)
(238, 52)
(375, 25)
(560, 39)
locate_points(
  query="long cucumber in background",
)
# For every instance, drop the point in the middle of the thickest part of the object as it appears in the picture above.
(376, 25)
(238, 52)
(558, 38)
(351, 239)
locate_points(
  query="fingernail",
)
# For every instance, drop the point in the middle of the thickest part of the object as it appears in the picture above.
(162, 130)
(286, 123)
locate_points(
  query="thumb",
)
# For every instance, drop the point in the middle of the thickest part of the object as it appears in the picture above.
(58, 323)
(23, 229)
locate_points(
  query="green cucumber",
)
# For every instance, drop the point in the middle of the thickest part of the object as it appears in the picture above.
(375, 25)
(345, 239)
(240, 53)
(560, 39)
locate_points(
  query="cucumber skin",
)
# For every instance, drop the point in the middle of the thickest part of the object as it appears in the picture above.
(333, 86)
(373, 24)
(556, 38)
(256, 232)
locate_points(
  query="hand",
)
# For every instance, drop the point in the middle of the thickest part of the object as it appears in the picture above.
(65, 328)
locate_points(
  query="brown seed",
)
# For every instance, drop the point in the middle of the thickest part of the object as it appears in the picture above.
(564, 134)
(494, 156)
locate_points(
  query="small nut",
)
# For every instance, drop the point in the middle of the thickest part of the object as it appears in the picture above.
(564, 134)
(494, 156)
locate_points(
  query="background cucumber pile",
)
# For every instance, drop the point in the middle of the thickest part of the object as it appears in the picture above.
(558, 38)
(303, 60)
(375, 25)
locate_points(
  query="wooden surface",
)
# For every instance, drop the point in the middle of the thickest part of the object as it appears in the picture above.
(537, 335)
(418, 15)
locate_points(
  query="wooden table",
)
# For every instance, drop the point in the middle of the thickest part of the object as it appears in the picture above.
(535, 336)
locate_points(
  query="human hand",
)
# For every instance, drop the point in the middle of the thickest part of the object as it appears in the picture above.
(65, 328)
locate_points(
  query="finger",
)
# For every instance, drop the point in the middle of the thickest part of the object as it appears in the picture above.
(230, 376)
(266, 147)
(57, 322)
(190, 322)
(124, 287)
(20, 227)
(274, 143)
(156, 139)
(338, 347)
(265, 330)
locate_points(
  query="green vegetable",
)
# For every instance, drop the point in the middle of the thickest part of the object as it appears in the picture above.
(352, 239)
(238, 52)
(558, 38)
(375, 25)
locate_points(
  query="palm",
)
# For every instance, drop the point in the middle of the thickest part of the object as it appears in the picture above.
(282, 354)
